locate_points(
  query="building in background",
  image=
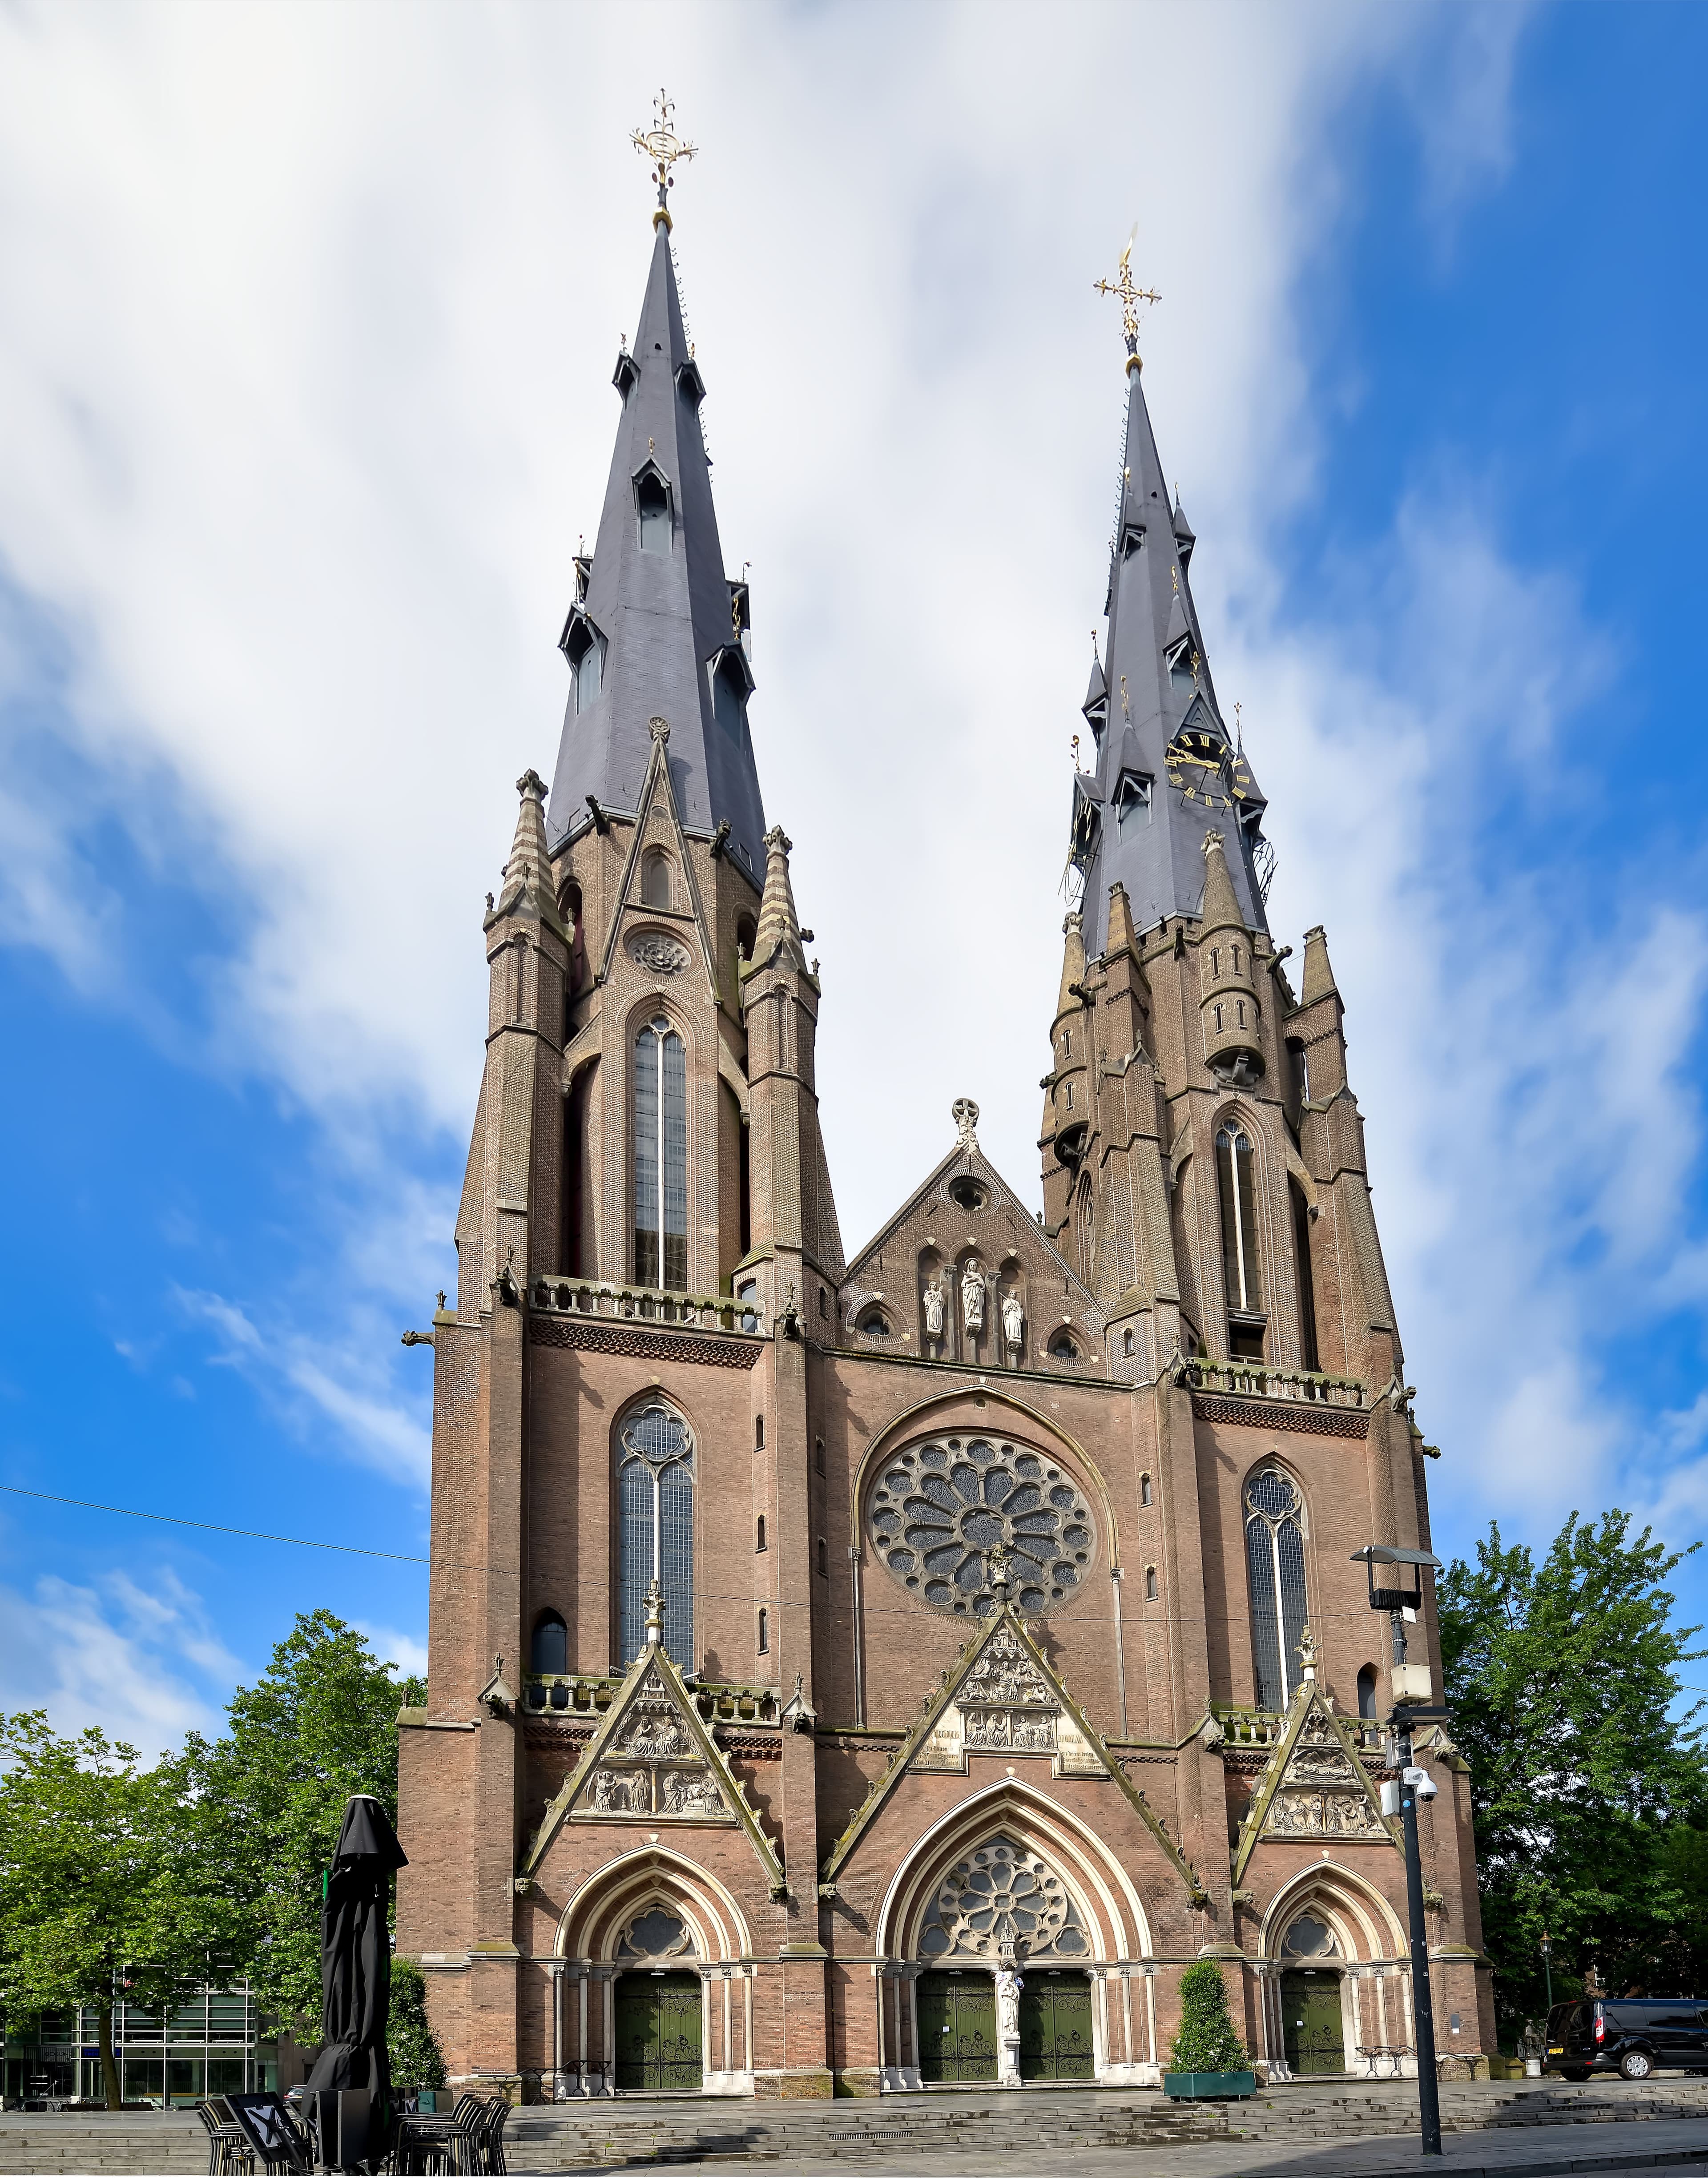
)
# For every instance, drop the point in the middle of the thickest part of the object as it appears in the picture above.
(849, 1674)
(215, 2043)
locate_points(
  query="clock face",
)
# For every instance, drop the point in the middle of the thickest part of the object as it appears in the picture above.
(1206, 769)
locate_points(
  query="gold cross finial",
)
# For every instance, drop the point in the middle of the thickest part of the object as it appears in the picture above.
(1130, 298)
(664, 147)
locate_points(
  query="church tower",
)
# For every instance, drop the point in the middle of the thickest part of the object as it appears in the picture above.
(855, 1676)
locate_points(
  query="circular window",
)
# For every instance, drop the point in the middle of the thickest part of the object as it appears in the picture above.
(967, 1195)
(938, 1506)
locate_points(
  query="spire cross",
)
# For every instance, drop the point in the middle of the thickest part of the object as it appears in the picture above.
(1130, 298)
(664, 147)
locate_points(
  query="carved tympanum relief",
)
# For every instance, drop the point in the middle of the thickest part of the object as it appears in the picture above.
(1006, 1702)
(1323, 1793)
(939, 1506)
(651, 1765)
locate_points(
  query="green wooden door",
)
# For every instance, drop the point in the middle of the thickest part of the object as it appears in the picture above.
(1055, 2026)
(957, 2027)
(658, 2033)
(1310, 2022)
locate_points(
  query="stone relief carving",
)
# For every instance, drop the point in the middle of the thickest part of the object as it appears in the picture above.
(972, 1296)
(1323, 1793)
(1005, 1674)
(652, 1764)
(663, 956)
(991, 1730)
(1013, 1322)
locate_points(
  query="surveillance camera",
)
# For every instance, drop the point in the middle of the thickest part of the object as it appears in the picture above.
(1421, 1783)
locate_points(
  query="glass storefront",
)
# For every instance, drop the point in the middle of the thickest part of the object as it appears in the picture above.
(214, 2044)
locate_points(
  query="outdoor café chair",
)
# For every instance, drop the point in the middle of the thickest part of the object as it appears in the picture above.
(228, 2144)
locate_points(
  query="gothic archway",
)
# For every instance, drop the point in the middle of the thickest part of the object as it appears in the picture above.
(1335, 1983)
(650, 1994)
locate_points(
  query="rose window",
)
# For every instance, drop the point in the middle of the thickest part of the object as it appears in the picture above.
(1003, 1901)
(939, 1507)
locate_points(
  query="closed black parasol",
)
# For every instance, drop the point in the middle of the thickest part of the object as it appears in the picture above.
(356, 1959)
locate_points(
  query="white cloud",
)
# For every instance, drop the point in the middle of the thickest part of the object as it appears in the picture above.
(139, 1660)
(306, 318)
(406, 1652)
(322, 1374)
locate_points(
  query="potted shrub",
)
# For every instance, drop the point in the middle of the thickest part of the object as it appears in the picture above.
(1209, 2057)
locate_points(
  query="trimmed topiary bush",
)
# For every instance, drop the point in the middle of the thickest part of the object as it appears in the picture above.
(1207, 2042)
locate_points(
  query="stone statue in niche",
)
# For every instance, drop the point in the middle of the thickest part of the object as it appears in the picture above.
(972, 1297)
(1013, 1322)
(934, 1309)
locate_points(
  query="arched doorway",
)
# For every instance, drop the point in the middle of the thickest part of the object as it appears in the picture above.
(1334, 1978)
(658, 2044)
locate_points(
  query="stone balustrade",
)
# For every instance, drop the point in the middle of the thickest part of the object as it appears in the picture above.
(599, 1298)
(580, 1695)
(1252, 1380)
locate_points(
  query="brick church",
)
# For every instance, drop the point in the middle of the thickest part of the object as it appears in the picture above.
(848, 1677)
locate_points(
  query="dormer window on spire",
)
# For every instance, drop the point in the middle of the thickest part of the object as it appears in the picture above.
(731, 680)
(652, 499)
(584, 648)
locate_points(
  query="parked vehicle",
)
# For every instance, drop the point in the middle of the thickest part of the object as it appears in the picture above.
(1630, 2035)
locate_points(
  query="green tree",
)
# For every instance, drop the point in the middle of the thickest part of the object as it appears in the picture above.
(417, 2061)
(1563, 1681)
(1206, 2041)
(319, 1725)
(100, 1880)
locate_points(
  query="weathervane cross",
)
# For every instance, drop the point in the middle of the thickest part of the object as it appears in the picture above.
(1131, 297)
(664, 147)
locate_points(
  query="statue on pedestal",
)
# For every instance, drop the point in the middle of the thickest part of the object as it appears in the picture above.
(972, 1297)
(934, 1309)
(1009, 1986)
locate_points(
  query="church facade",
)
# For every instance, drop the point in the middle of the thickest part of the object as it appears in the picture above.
(847, 1676)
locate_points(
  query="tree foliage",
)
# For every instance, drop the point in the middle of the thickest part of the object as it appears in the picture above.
(100, 1879)
(319, 1725)
(417, 2061)
(1206, 2041)
(1586, 1786)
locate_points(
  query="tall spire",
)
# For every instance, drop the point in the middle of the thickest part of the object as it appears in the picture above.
(657, 630)
(1167, 770)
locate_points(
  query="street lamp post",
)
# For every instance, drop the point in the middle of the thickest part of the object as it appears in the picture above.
(1547, 1966)
(1409, 1683)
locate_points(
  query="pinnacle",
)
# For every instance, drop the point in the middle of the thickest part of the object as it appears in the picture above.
(1221, 909)
(527, 881)
(1318, 979)
(1073, 964)
(780, 925)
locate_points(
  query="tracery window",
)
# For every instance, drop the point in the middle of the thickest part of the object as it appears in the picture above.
(940, 1507)
(1002, 1899)
(660, 1157)
(655, 1521)
(1275, 1563)
(1235, 1183)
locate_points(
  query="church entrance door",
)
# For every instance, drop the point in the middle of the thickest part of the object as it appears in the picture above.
(957, 2027)
(1055, 2026)
(1310, 2022)
(657, 2033)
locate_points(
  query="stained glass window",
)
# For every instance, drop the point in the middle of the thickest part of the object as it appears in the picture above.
(655, 1519)
(1275, 1561)
(660, 1157)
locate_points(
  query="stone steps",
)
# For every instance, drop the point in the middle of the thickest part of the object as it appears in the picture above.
(985, 2122)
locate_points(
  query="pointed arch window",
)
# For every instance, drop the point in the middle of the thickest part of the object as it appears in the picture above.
(660, 1159)
(1236, 1185)
(549, 1652)
(1275, 1564)
(652, 499)
(655, 879)
(655, 1517)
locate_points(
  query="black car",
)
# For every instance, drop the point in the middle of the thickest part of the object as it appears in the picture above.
(1630, 2035)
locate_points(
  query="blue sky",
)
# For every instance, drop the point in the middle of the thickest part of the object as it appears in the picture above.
(305, 336)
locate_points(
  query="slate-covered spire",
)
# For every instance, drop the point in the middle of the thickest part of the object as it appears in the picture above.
(1139, 820)
(657, 629)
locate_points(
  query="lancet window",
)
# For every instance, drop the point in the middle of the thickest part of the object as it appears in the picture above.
(660, 1157)
(655, 1518)
(1275, 1563)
